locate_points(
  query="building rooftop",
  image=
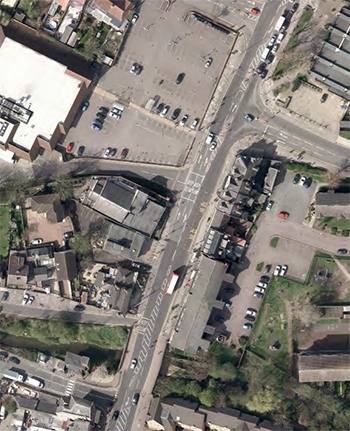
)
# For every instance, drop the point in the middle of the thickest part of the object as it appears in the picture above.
(324, 367)
(66, 265)
(49, 96)
(76, 363)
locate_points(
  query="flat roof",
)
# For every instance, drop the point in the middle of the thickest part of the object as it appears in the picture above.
(39, 84)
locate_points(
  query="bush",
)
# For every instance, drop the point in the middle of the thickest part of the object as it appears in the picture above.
(281, 69)
(345, 233)
(297, 82)
(334, 230)
(305, 18)
(274, 241)
(259, 266)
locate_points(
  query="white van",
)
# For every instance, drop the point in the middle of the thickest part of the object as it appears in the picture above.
(265, 54)
(2, 413)
(34, 382)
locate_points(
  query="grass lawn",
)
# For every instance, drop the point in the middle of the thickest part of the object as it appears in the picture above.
(274, 241)
(305, 18)
(332, 222)
(307, 170)
(61, 332)
(345, 134)
(4, 230)
(260, 266)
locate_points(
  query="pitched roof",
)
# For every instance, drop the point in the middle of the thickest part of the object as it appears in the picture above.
(80, 407)
(49, 205)
(324, 367)
(76, 362)
(332, 204)
(66, 265)
(117, 8)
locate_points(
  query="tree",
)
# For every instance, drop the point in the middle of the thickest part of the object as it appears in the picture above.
(208, 397)
(10, 405)
(193, 389)
(265, 400)
(226, 371)
(63, 186)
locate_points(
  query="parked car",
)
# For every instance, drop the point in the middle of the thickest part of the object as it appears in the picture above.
(208, 62)
(195, 123)
(5, 296)
(302, 181)
(25, 299)
(101, 116)
(247, 326)
(113, 152)
(296, 178)
(134, 18)
(342, 251)
(258, 295)
(176, 114)
(107, 152)
(295, 7)
(70, 147)
(85, 106)
(251, 312)
(184, 120)
(140, 267)
(260, 69)
(124, 153)
(213, 146)
(267, 269)
(259, 289)
(265, 279)
(2, 413)
(324, 98)
(133, 364)
(283, 214)
(81, 150)
(165, 111)
(219, 319)
(116, 415)
(255, 11)
(277, 270)
(80, 307)
(96, 126)
(116, 113)
(104, 110)
(269, 205)
(261, 284)
(3, 356)
(14, 360)
(31, 300)
(263, 74)
(250, 318)
(308, 182)
(135, 399)
(249, 117)
(284, 270)
(275, 48)
(272, 41)
(136, 69)
(180, 78)
(37, 241)
(68, 234)
(160, 108)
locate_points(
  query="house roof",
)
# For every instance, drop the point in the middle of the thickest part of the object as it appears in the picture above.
(331, 204)
(17, 265)
(49, 205)
(76, 362)
(66, 265)
(117, 8)
(80, 407)
(324, 367)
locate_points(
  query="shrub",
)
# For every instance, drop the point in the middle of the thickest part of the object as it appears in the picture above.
(259, 266)
(334, 230)
(345, 233)
(274, 241)
(297, 82)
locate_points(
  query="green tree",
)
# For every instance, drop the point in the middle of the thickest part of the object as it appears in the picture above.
(226, 371)
(208, 397)
(238, 396)
(63, 186)
(10, 405)
(193, 389)
(266, 400)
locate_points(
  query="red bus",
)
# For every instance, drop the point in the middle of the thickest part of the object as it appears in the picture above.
(172, 284)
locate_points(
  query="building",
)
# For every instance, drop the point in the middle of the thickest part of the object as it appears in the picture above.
(331, 204)
(39, 99)
(324, 367)
(112, 12)
(18, 269)
(76, 364)
(223, 246)
(48, 205)
(126, 203)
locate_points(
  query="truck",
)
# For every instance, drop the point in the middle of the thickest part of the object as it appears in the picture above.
(32, 381)
(265, 54)
(172, 284)
(280, 23)
(13, 375)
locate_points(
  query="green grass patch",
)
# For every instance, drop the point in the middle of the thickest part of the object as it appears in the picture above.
(281, 69)
(274, 241)
(60, 332)
(304, 19)
(345, 134)
(304, 169)
(298, 81)
(335, 224)
(5, 219)
(259, 266)
(329, 321)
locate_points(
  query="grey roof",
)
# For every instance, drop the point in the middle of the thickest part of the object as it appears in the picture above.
(17, 268)
(332, 204)
(26, 403)
(49, 205)
(79, 425)
(76, 363)
(40, 251)
(80, 407)
(66, 265)
(324, 367)
(204, 290)
(181, 411)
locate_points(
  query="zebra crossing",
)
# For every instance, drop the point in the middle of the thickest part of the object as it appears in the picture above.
(70, 387)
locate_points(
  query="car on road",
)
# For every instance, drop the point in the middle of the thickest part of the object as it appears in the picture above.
(31, 300)
(136, 69)
(247, 326)
(324, 98)
(80, 307)
(37, 241)
(255, 11)
(134, 18)
(113, 152)
(124, 153)
(296, 178)
(208, 62)
(135, 399)
(184, 120)
(249, 117)
(209, 139)
(283, 214)
(263, 74)
(251, 312)
(213, 146)
(140, 267)
(25, 299)
(160, 108)
(3, 356)
(116, 415)
(284, 270)
(219, 319)
(176, 114)
(259, 289)
(267, 269)
(195, 123)
(277, 270)
(180, 78)
(261, 284)
(342, 251)
(70, 147)
(85, 105)
(107, 152)
(250, 318)
(5, 296)
(81, 150)
(308, 183)
(302, 181)
(269, 205)
(165, 111)
(258, 295)
(14, 360)
(68, 234)
(133, 364)
(265, 279)
(272, 41)
(260, 69)
(275, 48)
(295, 7)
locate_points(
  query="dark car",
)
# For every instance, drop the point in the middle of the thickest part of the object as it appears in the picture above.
(295, 7)
(250, 318)
(67, 235)
(307, 183)
(81, 150)
(14, 360)
(124, 153)
(116, 415)
(249, 117)
(160, 108)
(258, 295)
(135, 399)
(267, 269)
(296, 178)
(324, 98)
(261, 68)
(342, 251)
(113, 152)
(5, 296)
(79, 307)
(85, 106)
(219, 319)
(3, 356)
(176, 114)
(140, 267)
(265, 279)
(101, 116)
(104, 110)
(180, 78)
(263, 74)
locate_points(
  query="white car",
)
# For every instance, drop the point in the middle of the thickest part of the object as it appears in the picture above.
(184, 120)
(269, 205)
(277, 270)
(272, 41)
(133, 364)
(213, 146)
(37, 241)
(280, 38)
(165, 111)
(115, 113)
(195, 123)
(107, 152)
(302, 181)
(275, 48)
(30, 300)
(259, 289)
(209, 62)
(251, 312)
(25, 299)
(264, 285)
(134, 18)
(284, 270)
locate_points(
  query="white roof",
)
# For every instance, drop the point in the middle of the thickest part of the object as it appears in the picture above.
(38, 83)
